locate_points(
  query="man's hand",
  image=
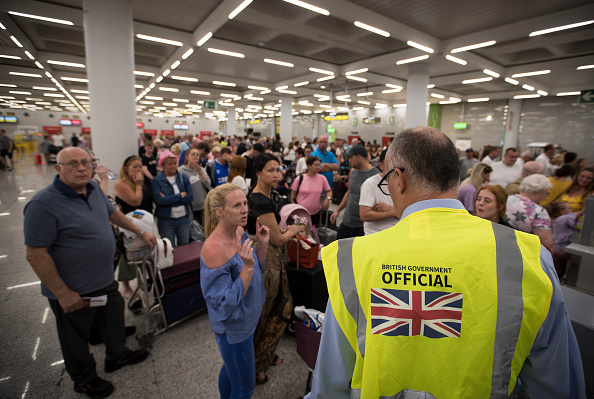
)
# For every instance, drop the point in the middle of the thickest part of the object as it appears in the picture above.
(101, 172)
(333, 217)
(70, 301)
(149, 238)
(382, 207)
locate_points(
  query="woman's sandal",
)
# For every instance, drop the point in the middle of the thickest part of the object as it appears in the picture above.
(277, 360)
(261, 380)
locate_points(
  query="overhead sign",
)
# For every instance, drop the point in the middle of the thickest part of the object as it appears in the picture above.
(461, 125)
(372, 119)
(139, 124)
(167, 132)
(209, 105)
(336, 117)
(52, 129)
(8, 119)
(587, 96)
(254, 121)
(85, 130)
(152, 132)
(180, 126)
(330, 129)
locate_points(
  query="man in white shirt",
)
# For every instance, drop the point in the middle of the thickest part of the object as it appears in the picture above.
(492, 156)
(376, 209)
(545, 158)
(508, 170)
(58, 140)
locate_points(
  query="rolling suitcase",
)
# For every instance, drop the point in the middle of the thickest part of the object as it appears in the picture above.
(182, 303)
(185, 270)
(308, 286)
(326, 233)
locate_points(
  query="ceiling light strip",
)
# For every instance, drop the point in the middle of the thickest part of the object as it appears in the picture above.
(414, 59)
(276, 62)
(225, 52)
(473, 46)
(204, 39)
(533, 73)
(420, 47)
(159, 40)
(239, 9)
(371, 28)
(558, 28)
(308, 6)
(455, 59)
(478, 80)
(41, 18)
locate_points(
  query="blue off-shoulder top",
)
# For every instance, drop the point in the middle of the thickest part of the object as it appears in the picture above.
(229, 311)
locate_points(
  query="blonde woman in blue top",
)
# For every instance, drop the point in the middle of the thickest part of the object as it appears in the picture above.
(232, 285)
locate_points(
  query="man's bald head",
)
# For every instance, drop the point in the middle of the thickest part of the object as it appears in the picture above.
(532, 168)
(74, 168)
(68, 152)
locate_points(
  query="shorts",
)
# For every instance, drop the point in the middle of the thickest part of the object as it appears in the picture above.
(4, 153)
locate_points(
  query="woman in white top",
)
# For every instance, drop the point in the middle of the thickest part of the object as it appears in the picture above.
(289, 153)
(237, 173)
(301, 164)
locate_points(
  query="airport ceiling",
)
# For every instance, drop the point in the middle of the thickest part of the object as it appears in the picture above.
(322, 57)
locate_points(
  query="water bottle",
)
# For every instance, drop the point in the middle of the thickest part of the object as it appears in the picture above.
(111, 175)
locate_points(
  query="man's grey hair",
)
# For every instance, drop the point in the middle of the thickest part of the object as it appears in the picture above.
(535, 183)
(429, 159)
(532, 168)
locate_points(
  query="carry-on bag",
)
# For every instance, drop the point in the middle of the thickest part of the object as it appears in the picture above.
(326, 233)
(185, 270)
(303, 252)
(308, 286)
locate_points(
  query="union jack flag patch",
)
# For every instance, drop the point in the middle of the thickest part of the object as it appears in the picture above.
(432, 314)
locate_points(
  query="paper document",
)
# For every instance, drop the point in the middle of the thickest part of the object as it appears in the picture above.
(91, 302)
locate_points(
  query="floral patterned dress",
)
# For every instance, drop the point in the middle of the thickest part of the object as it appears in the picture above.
(525, 215)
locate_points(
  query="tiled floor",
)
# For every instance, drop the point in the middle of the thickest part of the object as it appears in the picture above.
(184, 361)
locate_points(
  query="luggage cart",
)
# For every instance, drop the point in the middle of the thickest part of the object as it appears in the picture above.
(308, 344)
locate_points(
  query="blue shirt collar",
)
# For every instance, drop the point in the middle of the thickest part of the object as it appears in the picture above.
(67, 191)
(432, 203)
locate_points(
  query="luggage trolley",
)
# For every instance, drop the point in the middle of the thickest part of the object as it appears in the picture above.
(170, 295)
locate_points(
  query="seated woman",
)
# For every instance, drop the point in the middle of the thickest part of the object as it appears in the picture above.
(479, 174)
(490, 204)
(565, 225)
(173, 195)
(581, 187)
(237, 173)
(308, 189)
(523, 212)
(561, 180)
(232, 285)
(279, 304)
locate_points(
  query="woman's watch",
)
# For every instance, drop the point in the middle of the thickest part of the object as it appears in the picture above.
(141, 233)
(328, 198)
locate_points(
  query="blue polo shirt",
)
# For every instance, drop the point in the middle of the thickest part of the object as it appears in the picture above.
(328, 157)
(77, 233)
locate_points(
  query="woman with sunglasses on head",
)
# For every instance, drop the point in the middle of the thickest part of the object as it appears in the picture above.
(232, 284)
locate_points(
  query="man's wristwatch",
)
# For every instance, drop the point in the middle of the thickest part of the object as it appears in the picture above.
(328, 198)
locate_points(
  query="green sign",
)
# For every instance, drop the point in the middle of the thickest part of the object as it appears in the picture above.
(330, 129)
(461, 125)
(435, 115)
(209, 105)
(587, 96)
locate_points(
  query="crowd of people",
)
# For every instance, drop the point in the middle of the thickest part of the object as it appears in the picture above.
(231, 186)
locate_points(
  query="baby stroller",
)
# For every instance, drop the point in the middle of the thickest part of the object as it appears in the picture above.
(288, 211)
(302, 250)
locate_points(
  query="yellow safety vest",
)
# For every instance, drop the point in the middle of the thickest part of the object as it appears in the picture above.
(444, 304)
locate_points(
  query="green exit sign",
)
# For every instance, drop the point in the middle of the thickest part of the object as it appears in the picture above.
(461, 125)
(209, 105)
(331, 129)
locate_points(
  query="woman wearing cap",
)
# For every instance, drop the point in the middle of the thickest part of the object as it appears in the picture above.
(173, 195)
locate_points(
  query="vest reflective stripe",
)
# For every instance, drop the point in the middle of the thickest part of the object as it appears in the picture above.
(510, 307)
(349, 289)
(404, 394)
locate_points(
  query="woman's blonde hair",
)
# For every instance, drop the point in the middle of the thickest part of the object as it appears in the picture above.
(216, 198)
(124, 175)
(238, 165)
(477, 175)
(176, 149)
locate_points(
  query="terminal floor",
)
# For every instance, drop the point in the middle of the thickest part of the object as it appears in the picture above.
(184, 361)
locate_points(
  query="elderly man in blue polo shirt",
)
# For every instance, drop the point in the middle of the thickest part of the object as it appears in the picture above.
(70, 245)
(329, 162)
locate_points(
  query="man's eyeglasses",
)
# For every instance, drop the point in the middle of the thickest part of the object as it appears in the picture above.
(76, 164)
(383, 183)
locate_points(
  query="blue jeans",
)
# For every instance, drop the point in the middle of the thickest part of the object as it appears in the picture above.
(171, 228)
(238, 374)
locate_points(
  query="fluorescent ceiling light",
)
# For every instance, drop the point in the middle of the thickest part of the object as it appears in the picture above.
(585, 67)
(201, 93)
(437, 95)
(512, 81)
(154, 98)
(7, 97)
(569, 93)
(491, 73)
(526, 96)
(455, 99)
(28, 54)
(388, 91)
(265, 91)
(151, 86)
(74, 79)
(53, 95)
(225, 52)
(79, 91)
(188, 53)
(55, 20)
(542, 92)
(372, 29)
(9, 85)
(325, 78)
(180, 100)
(19, 92)
(175, 64)
(399, 105)
(381, 105)
(325, 106)
(3, 27)
(478, 100)
(356, 78)
(528, 87)
(448, 102)
(394, 86)
(219, 83)
(256, 98)
(317, 70)
(276, 62)
(173, 89)
(142, 73)
(367, 93)
(286, 91)
(456, 60)
(282, 87)
(44, 88)
(204, 39)
(167, 72)
(473, 46)
(31, 75)
(228, 95)
(257, 88)
(184, 78)
(159, 40)
(558, 28)
(159, 79)
(301, 83)
(16, 41)
(406, 61)
(357, 71)
(64, 63)
(358, 108)
(138, 86)
(309, 6)
(478, 80)
(420, 47)
(239, 9)
(83, 97)
(12, 57)
(521, 75)
(170, 104)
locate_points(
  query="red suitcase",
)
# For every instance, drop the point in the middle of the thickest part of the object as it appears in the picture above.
(185, 270)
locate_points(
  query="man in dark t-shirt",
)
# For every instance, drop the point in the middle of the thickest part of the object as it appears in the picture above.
(149, 163)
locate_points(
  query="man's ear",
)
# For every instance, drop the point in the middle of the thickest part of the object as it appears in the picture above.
(402, 182)
(57, 167)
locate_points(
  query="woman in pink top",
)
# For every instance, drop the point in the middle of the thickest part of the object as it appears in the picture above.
(308, 189)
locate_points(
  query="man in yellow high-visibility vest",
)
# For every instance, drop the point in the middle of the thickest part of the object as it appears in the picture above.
(444, 304)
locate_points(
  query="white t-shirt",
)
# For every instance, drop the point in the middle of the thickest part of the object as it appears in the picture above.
(301, 166)
(176, 211)
(543, 159)
(58, 140)
(503, 174)
(487, 160)
(370, 195)
(240, 181)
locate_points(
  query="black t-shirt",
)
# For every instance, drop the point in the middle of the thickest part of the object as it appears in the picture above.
(250, 171)
(150, 163)
(259, 204)
(146, 204)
